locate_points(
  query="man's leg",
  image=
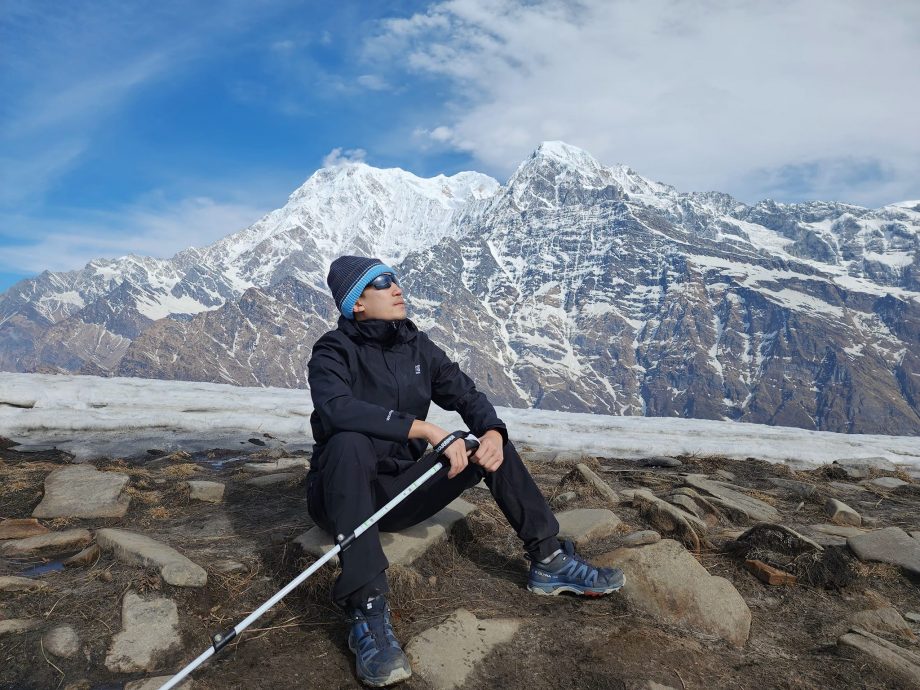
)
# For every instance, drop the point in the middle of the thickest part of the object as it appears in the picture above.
(340, 499)
(515, 492)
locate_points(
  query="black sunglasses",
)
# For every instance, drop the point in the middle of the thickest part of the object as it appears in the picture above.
(383, 281)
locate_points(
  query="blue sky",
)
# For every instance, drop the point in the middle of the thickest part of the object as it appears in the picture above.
(128, 127)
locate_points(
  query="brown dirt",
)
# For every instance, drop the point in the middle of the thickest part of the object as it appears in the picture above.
(565, 641)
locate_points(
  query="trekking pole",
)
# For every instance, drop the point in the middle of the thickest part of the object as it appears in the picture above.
(221, 640)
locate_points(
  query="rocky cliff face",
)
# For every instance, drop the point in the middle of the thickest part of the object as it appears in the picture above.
(575, 286)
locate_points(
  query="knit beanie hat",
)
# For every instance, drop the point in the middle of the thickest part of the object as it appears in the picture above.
(348, 276)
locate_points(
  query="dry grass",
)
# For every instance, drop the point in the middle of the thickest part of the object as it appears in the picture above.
(761, 496)
(878, 571)
(183, 470)
(160, 513)
(145, 497)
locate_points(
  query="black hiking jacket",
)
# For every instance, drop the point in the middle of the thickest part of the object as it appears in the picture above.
(375, 377)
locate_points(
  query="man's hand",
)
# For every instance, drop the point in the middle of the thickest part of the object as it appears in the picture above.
(489, 455)
(456, 453)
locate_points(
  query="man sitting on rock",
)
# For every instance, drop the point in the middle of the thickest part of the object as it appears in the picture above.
(372, 380)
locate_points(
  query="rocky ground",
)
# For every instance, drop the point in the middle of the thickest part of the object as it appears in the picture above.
(739, 574)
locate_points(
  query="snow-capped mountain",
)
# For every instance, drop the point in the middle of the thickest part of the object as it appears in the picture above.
(575, 286)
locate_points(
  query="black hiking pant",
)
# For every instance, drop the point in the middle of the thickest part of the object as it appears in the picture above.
(353, 477)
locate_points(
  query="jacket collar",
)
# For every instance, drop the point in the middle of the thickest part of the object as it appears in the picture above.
(379, 332)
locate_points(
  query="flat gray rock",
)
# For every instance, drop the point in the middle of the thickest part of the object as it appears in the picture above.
(82, 491)
(210, 492)
(660, 461)
(902, 662)
(841, 514)
(648, 536)
(279, 465)
(797, 488)
(20, 528)
(602, 487)
(564, 498)
(877, 463)
(271, 479)
(844, 531)
(138, 549)
(885, 483)
(666, 517)
(150, 633)
(12, 626)
(665, 581)
(12, 583)
(584, 525)
(754, 508)
(890, 545)
(912, 617)
(62, 641)
(844, 487)
(883, 620)
(915, 535)
(48, 544)
(445, 655)
(400, 548)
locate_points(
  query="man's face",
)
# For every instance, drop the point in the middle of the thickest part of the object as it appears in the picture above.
(386, 304)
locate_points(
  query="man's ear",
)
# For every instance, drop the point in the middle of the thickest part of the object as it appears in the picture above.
(358, 307)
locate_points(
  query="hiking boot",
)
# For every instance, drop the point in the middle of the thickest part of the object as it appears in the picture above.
(380, 659)
(569, 572)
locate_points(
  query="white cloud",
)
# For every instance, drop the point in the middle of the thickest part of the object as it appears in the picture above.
(373, 82)
(702, 95)
(338, 157)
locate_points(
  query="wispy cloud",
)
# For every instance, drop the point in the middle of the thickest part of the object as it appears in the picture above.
(716, 95)
(150, 227)
(338, 156)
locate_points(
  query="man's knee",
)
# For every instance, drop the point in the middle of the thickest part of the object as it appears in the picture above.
(349, 448)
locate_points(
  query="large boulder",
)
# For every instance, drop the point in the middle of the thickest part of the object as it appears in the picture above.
(82, 491)
(667, 582)
(890, 545)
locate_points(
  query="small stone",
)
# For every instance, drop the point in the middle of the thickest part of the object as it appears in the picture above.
(890, 545)
(912, 617)
(728, 476)
(86, 557)
(569, 457)
(768, 574)
(271, 479)
(18, 625)
(883, 620)
(602, 487)
(138, 549)
(885, 483)
(660, 461)
(432, 580)
(62, 641)
(585, 525)
(564, 498)
(85, 492)
(915, 535)
(445, 655)
(150, 632)
(19, 528)
(841, 513)
(278, 465)
(12, 583)
(157, 683)
(210, 492)
(47, 544)
(648, 536)
(800, 489)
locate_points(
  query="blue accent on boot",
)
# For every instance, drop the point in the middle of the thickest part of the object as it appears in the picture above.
(379, 657)
(569, 572)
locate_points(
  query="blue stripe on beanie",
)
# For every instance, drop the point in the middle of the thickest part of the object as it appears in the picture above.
(348, 276)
